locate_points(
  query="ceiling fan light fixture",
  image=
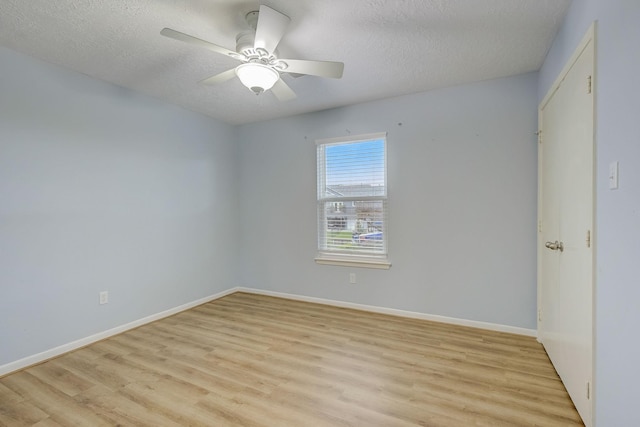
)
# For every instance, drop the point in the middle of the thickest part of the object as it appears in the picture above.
(257, 77)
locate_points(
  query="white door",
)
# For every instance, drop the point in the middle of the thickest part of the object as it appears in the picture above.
(565, 238)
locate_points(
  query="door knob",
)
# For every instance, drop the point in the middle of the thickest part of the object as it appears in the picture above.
(555, 246)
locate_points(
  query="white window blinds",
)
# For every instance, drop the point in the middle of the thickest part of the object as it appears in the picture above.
(352, 196)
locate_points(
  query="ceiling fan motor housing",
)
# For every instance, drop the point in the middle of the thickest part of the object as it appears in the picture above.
(245, 46)
(245, 41)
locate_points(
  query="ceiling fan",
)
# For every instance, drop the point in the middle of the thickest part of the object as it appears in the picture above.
(256, 49)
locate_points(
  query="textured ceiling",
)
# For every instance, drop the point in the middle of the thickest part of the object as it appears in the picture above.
(389, 47)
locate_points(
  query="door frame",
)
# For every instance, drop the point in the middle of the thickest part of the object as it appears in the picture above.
(590, 37)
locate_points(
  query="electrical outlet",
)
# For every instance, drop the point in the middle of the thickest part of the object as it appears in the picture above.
(104, 297)
(352, 278)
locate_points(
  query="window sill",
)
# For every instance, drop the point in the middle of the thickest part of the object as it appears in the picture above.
(364, 262)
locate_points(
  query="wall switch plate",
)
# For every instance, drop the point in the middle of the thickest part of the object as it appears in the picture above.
(104, 297)
(613, 176)
(352, 278)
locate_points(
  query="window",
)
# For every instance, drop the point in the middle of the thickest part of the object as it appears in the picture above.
(352, 201)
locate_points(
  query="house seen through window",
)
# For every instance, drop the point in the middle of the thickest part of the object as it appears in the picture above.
(352, 198)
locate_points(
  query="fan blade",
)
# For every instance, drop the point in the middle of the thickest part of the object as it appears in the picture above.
(282, 91)
(270, 29)
(219, 78)
(177, 35)
(315, 68)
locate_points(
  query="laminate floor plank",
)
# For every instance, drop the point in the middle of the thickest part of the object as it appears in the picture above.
(256, 361)
(21, 414)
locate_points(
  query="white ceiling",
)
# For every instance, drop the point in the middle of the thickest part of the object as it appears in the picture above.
(389, 47)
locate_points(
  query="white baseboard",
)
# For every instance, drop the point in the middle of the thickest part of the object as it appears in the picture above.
(74, 345)
(394, 312)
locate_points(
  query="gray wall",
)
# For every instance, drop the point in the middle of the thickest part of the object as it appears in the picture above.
(104, 189)
(617, 296)
(462, 193)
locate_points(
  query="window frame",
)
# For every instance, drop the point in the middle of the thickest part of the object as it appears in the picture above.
(342, 258)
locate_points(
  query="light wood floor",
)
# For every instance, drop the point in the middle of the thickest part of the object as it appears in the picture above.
(249, 360)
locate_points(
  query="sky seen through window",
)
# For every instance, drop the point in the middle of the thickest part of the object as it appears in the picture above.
(355, 163)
